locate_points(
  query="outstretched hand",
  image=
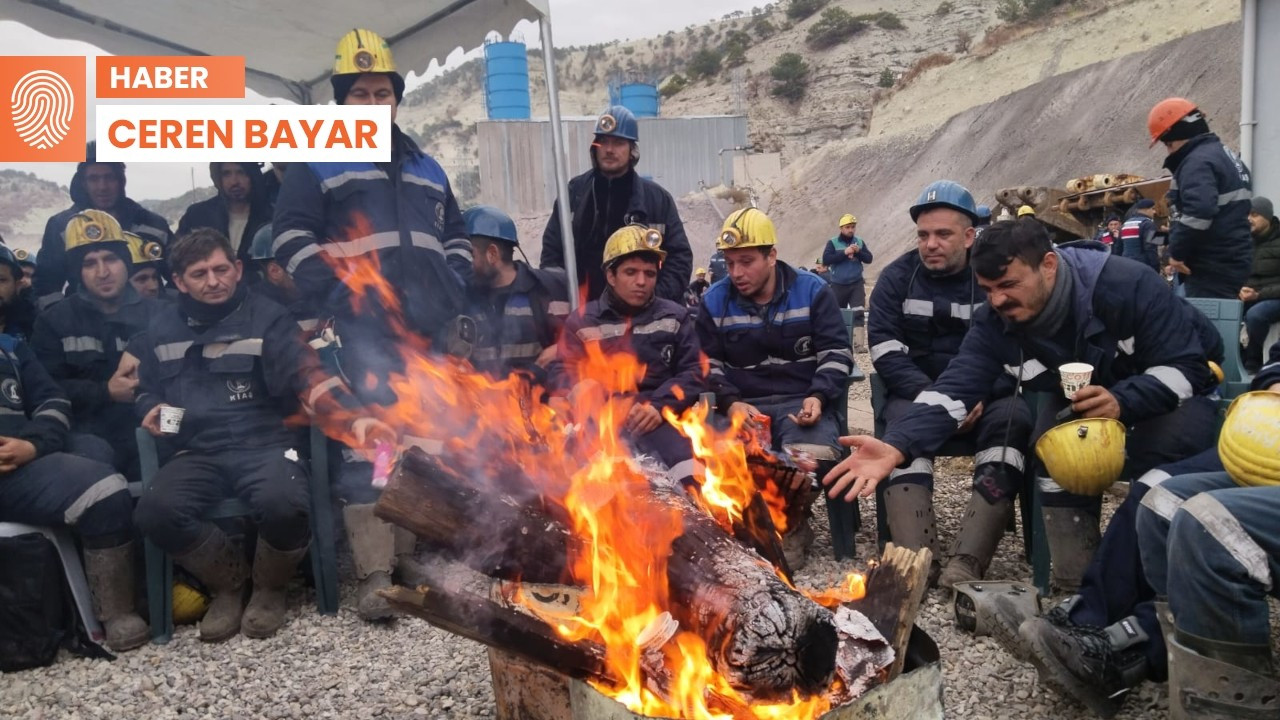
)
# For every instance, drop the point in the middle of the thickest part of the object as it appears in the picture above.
(857, 475)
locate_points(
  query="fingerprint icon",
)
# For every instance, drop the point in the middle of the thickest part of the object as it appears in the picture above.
(43, 105)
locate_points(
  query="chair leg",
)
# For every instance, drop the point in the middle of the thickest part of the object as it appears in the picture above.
(1039, 543)
(76, 580)
(324, 554)
(159, 593)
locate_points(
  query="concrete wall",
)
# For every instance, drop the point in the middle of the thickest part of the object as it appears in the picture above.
(517, 172)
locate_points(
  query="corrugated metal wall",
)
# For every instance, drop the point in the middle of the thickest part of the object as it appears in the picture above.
(517, 173)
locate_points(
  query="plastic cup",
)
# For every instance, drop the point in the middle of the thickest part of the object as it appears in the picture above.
(170, 419)
(1074, 376)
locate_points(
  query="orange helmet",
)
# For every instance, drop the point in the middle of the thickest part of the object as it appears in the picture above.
(1166, 114)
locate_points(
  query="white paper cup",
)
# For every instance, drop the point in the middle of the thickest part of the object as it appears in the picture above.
(1074, 376)
(170, 419)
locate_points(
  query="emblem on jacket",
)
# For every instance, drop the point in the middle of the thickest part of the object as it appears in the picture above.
(240, 389)
(9, 388)
(440, 213)
(804, 346)
(668, 352)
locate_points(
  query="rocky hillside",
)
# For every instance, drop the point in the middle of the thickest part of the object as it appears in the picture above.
(26, 202)
(847, 47)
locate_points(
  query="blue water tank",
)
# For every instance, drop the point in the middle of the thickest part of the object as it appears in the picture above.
(506, 82)
(640, 98)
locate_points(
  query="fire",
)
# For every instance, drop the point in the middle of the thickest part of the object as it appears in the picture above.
(574, 457)
(853, 588)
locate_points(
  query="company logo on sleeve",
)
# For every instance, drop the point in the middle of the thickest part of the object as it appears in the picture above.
(44, 100)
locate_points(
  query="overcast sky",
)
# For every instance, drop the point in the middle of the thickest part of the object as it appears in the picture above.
(575, 22)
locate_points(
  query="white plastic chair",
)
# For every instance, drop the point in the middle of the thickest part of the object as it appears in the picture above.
(71, 568)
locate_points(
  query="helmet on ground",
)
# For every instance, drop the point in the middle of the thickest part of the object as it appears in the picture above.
(261, 248)
(142, 251)
(700, 271)
(945, 193)
(1249, 443)
(618, 121)
(1024, 210)
(490, 222)
(97, 228)
(1166, 114)
(8, 257)
(189, 604)
(847, 219)
(1084, 456)
(363, 51)
(748, 227)
(632, 239)
(984, 212)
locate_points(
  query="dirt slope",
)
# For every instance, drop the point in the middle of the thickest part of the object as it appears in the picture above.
(1086, 121)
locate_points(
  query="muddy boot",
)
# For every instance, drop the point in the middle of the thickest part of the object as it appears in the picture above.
(111, 582)
(1094, 666)
(1008, 617)
(272, 570)
(909, 508)
(795, 545)
(219, 564)
(373, 547)
(980, 532)
(1213, 680)
(1073, 536)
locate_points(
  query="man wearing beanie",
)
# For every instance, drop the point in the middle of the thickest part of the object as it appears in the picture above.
(1261, 292)
(98, 186)
(1208, 202)
(81, 338)
(1138, 239)
(238, 210)
(402, 221)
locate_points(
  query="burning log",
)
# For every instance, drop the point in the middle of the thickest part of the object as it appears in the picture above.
(761, 634)
(895, 589)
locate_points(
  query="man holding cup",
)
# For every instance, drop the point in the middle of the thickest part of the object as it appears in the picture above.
(1048, 307)
(219, 373)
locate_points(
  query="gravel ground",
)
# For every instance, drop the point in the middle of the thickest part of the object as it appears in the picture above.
(340, 667)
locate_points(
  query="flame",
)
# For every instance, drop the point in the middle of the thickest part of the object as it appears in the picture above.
(853, 588)
(485, 426)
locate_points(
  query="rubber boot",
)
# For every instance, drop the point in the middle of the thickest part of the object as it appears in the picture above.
(1091, 665)
(220, 565)
(912, 525)
(272, 570)
(1213, 680)
(1073, 536)
(980, 532)
(111, 582)
(373, 547)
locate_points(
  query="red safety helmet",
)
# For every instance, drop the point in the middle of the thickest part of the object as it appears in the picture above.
(1166, 114)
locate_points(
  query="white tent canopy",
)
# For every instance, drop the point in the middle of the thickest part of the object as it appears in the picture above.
(288, 45)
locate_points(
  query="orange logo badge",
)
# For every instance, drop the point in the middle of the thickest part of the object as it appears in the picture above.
(43, 98)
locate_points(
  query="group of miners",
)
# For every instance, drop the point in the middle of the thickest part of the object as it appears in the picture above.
(217, 340)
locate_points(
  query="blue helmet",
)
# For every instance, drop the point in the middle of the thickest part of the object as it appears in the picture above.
(261, 247)
(618, 121)
(488, 221)
(984, 212)
(945, 193)
(7, 258)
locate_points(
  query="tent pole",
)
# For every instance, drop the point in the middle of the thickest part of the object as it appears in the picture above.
(557, 147)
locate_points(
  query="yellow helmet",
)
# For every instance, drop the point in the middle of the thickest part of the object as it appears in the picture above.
(189, 604)
(142, 251)
(847, 219)
(1026, 210)
(363, 51)
(1249, 444)
(633, 239)
(89, 227)
(700, 271)
(1084, 456)
(748, 227)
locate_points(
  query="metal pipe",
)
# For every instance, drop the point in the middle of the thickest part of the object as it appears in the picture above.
(1248, 78)
(561, 159)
